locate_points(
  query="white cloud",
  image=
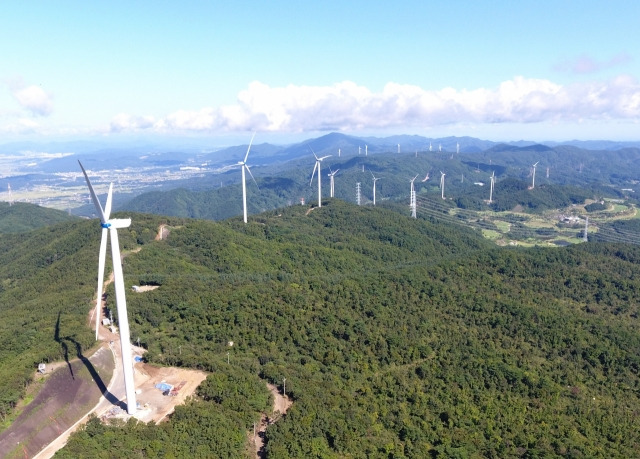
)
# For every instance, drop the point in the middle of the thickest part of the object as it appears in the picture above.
(34, 98)
(124, 122)
(347, 106)
(20, 126)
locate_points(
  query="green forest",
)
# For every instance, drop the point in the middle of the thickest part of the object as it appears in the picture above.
(20, 217)
(397, 337)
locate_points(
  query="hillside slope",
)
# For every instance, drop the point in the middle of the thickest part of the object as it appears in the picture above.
(396, 337)
(20, 217)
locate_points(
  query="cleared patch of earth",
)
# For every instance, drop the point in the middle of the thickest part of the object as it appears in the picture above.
(154, 406)
(66, 395)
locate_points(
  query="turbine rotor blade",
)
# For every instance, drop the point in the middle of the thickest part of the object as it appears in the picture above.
(107, 208)
(249, 148)
(314, 172)
(101, 262)
(94, 198)
(249, 171)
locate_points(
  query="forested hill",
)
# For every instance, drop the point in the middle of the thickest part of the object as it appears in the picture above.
(397, 337)
(20, 216)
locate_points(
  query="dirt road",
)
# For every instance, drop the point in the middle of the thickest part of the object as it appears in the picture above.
(281, 404)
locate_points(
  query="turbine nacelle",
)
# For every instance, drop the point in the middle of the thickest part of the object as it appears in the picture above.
(117, 223)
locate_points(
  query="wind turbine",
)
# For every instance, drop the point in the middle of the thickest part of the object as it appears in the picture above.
(10, 194)
(366, 149)
(493, 180)
(412, 199)
(533, 181)
(331, 175)
(243, 165)
(374, 187)
(442, 174)
(317, 166)
(430, 147)
(111, 226)
(457, 148)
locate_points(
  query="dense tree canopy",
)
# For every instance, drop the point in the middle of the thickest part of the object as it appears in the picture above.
(397, 337)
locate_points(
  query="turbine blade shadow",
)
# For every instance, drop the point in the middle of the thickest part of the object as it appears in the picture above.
(96, 377)
(65, 348)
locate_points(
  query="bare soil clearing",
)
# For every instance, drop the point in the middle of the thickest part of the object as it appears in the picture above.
(67, 394)
(146, 288)
(154, 406)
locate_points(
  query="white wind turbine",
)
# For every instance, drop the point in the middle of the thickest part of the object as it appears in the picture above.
(10, 194)
(317, 166)
(111, 226)
(243, 165)
(374, 187)
(412, 198)
(331, 174)
(533, 181)
(430, 147)
(493, 180)
(442, 174)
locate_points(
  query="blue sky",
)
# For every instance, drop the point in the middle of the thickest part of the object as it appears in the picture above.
(501, 70)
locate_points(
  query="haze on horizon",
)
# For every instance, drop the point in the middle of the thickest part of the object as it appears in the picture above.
(535, 70)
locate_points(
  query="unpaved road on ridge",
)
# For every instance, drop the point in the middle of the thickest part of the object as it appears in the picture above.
(280, 405)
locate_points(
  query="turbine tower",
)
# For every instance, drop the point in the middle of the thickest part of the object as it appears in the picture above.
(412, 199)
(585, 236)
(457, 148)
(366, 149)
(331, 175)
(317, 166)
(442, 174)
(10, 194)
(398, 148)
(374, 187)
(430, 147)
(243, 165)
(111, 226)
(493, 180)
(358, 193)
(533, 181)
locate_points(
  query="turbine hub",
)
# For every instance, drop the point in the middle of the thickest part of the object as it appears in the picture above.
(105, 225)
